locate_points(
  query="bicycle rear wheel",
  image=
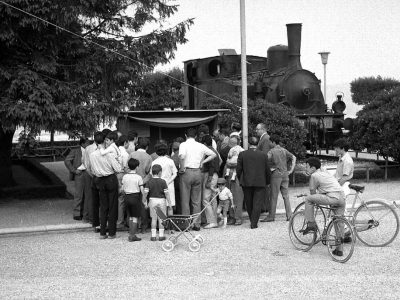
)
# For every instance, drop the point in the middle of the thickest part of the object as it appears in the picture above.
(319, 214)
(296, 224)
(376, 223)
(335, 233)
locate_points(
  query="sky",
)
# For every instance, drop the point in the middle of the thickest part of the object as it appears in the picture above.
(362, 36)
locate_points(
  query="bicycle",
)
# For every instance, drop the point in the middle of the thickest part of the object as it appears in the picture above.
(333, 234)
(376, 223)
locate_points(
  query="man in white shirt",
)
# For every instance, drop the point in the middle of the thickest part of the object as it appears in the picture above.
(192, 156)
(345, 167)
(104, 169)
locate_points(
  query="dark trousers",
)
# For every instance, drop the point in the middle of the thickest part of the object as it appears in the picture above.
(108, 194)
(87, 209)
(254, 197)
(95, 203)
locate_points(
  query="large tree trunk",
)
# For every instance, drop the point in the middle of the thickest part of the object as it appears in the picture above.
(6, 178)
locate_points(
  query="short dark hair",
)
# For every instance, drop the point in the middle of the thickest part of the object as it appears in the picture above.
(207, 140)
(191, 132)
(143, 143)
(236, 126)
(275, 138)
(224, 131)
(341, 143)
(155, 169)
(161, 149)
(204, 129)
(122, 140)
(133, 163)
(99, 137)
(314, 162)
(106, 131)
(112, 136)
(253, 140)
(179, 139)
(82, 141)
(132, 135)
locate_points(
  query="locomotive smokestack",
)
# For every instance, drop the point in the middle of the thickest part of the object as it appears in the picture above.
(294, 45)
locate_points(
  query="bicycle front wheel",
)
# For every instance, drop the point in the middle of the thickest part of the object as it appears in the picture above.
(340, 240)
(319, 214)
(297, 224)
(376, 223)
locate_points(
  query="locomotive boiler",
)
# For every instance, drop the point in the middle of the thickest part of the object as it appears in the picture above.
(278, 78)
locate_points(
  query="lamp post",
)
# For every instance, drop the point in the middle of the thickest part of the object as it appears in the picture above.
(324, 59)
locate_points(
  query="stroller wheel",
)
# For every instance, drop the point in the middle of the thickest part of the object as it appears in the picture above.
(173, 239)
(167, 246)
(194, 246)
(199, 238)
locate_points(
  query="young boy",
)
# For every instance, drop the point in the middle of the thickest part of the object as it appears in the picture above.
(225, 198)
(132, 187)
(329, 193)
(345, 167)
(157, 190)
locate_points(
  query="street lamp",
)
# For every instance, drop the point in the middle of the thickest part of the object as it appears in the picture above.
(324, 59)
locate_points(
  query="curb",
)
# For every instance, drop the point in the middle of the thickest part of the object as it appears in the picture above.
(45, 229)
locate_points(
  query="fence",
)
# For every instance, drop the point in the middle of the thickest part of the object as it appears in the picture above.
(367, 169)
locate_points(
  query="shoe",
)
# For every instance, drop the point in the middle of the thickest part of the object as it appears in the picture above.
(231, 221)
(311, 227)
(162, 238)
(77, 218)
(196, 228)
(112, 236)
(153, 239)
(211, 225)
(253, 226)
(134, 238)
(337, 252)
(238, 222)
(103, 237)
(267, 219)
(347, 239)
(96, 229)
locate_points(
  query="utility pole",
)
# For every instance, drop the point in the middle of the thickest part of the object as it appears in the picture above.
(245, 128)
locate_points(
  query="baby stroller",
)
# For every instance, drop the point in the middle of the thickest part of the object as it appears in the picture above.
(182, 224)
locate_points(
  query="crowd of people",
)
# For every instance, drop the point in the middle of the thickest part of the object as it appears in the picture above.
(119, 184)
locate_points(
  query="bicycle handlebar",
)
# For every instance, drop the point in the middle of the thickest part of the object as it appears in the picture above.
(301, 195)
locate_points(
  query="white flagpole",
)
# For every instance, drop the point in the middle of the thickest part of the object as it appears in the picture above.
(245, 129)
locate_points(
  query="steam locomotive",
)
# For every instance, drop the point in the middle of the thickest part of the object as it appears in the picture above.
(278, 78)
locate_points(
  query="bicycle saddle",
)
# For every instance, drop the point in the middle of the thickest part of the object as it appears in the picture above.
(357, 188)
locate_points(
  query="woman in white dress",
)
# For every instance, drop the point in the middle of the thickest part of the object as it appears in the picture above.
(169, 170)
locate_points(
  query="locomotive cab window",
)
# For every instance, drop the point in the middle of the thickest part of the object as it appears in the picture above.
(214, 67)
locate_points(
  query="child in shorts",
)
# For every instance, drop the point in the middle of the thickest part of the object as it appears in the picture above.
(225, 200)
(132, 188)
(157, 190)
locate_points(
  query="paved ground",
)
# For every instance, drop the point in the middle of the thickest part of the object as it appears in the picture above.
(234, 263)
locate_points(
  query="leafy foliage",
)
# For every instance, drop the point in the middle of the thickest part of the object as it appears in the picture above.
(279, 119)
(160, 90)
(365, 90)
(55, 80)
(73, 80)
(377, 126)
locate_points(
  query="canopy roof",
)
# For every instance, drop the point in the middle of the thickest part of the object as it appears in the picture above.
(174, 119)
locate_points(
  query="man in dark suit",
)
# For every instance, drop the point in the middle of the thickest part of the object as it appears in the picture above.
(75, 165)
(254, 175)
(264, 145)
